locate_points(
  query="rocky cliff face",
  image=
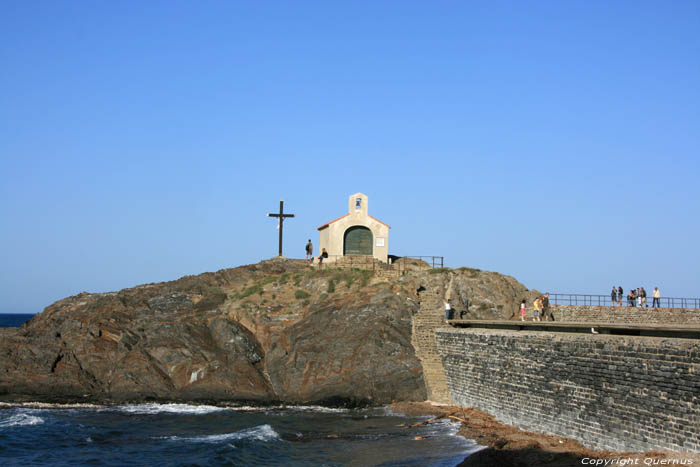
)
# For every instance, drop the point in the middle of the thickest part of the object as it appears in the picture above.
(275, 331)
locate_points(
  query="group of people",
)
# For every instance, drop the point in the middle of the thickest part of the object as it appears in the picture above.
(540, 308)
(310, 253)
(635, 297)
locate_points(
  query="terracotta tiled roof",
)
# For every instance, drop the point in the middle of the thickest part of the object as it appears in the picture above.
(329, 223)
(388, 226)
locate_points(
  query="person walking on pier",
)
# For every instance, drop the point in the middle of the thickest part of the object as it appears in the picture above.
(613, 296)
(656, 298)
(619, 296)
(547, 313)
(537, 306)
(522, 310)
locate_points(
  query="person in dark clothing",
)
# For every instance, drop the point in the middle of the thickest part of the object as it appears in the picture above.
(619, 296)
(322, 256)
(310, 251)
(547, 313)
(613, 296)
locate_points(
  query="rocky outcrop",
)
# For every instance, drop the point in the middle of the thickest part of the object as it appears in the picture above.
(488, 295)
(275, 331)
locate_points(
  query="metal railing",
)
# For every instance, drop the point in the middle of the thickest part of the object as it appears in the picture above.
(606, 300)
(433, 261)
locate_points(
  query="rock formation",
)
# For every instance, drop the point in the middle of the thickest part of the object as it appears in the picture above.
(275, 331)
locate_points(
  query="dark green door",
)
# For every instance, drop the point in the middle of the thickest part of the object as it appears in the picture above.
(357, 241)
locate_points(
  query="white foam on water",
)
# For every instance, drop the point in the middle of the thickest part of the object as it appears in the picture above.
(184, 409)
(44, 405)
(297, 408)
(314, 408)
(247, 408)
(256, 433)
(21, 419)
(442, 428)
(390, 413)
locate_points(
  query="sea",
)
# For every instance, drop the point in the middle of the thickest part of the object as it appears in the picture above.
(205, 435)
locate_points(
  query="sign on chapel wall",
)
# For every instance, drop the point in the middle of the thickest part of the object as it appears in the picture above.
(356, 233)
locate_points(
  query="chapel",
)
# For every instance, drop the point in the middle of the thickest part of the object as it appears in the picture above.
(356, 233)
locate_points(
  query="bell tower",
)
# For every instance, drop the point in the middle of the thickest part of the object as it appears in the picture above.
(357, 205)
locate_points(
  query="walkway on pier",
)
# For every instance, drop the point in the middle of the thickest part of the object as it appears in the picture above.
(656, 330)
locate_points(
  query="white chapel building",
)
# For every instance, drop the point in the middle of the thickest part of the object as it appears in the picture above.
(356, 233)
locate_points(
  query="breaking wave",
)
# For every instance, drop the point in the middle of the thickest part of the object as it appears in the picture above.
(21, 419)
(184, 409)
(47, 405)
(295, 408)
(313, 408)
(256, 433)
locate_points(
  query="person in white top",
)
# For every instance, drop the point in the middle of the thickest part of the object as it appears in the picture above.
(448, 310)
(656, 302)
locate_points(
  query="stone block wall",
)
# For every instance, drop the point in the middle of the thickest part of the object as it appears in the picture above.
(430, 317)
(622, 393)
(626, 315)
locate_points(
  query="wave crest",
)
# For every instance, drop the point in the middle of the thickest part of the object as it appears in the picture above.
(257, 433)
(21, 419)
(271, 409)
(185, 409)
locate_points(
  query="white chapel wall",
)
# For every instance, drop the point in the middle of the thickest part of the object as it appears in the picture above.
(332, 236)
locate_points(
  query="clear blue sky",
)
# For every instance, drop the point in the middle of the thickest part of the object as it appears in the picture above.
(557, 142)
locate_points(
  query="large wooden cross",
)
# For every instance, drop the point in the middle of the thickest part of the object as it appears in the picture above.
(281, 217)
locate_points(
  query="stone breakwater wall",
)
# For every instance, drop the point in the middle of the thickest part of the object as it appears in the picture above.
(626, 315)
(608, 392)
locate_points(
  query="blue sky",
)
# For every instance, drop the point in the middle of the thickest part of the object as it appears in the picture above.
(557, 142)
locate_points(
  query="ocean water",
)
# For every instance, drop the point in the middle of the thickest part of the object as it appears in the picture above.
(201, 435)
(14, 320)
(204, 435)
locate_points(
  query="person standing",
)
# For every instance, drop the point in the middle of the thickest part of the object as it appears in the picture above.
(522, 310)
(644, 298)
(309, 251)
(619, 296)
(656, 302)
(448, 309)
(547, 313)
(613, 296)
(537, 306)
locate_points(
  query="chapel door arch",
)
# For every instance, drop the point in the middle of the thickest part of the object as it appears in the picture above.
(357, 241)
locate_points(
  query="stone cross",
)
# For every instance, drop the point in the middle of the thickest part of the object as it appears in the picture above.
(281, 215)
